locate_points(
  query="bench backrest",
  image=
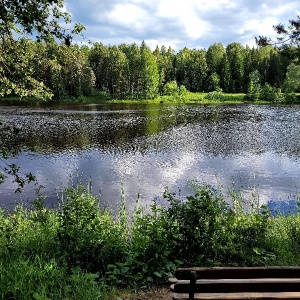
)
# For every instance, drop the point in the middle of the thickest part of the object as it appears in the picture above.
(238, 273)
(247, 280)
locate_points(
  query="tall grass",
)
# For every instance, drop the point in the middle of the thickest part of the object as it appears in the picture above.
(81, 251)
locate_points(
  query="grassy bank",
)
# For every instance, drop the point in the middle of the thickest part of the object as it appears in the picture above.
(99, 99)
(200, 98)
(188, 98)
(79, 251)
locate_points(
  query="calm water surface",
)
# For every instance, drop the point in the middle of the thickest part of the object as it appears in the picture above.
(145, 148)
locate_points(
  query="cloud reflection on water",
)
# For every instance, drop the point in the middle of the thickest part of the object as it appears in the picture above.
(147, 148)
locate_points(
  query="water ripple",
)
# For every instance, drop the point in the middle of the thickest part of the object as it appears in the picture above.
(148, 147)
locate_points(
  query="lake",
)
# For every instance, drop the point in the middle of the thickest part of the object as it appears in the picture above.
(144, 148)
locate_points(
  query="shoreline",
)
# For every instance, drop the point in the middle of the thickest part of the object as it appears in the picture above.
(190, 98)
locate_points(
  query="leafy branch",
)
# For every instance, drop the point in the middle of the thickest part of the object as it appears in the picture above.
(286, 34)
(20, 19)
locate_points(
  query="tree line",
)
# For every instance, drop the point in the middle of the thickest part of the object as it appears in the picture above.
(136, 72)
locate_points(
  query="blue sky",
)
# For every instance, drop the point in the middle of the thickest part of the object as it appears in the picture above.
(180, 23)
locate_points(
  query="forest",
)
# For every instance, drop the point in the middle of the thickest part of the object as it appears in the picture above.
(39, 61)
(130, 71)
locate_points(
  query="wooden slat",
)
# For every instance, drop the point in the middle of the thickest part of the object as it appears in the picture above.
(238, 272)
(239, 296)
(172, 280)
(240, 285)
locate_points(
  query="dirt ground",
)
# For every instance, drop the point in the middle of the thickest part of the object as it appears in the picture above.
(153, 294)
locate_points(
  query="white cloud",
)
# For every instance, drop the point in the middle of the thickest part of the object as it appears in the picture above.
(208, 5)
(129, 15)
(183, 12)
(194, 26)
(264, 26)
(190, 23)
(280, 10)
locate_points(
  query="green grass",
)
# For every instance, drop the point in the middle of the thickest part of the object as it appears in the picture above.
(284, 238)
(97, 99)
(80, 251)
(188, 98)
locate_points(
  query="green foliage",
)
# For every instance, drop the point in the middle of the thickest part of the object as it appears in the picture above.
(291, 97)
(213, 82)
(268, 93)
(125, 71)
(23, 278)
(252, 228)
(149, 74)
(30, 264)
(265, 93)
(89, 238)
(71, 76)
(293, 232)
(236, 56)
(225, 75)
(170, 88)
(41, 17)
(18, 19)
(118, 70)
(283, 238)
(292, 80)
(251, 97)
(79, 251)
(214, 56)
(16, 74)
(98, 60)
(177, 92)
(255, 80)
(151, 246)
(165, 60)
(191, 69)
(192, 224)
(205, 231)
(271, 94)
(44, 70)
(254, 88)
(215, 95)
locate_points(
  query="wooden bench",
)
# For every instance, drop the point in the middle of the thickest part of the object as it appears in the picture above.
(236, 283)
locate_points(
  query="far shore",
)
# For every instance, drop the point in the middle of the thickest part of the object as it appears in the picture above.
(189, 98)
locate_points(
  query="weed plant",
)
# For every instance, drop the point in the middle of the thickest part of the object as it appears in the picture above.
(80, 251)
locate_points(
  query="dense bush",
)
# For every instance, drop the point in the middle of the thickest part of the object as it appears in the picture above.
(204, 230)
(251, 97)
(192, 224)
(79, 250)
(269, 93)
(171, 89)
(215, 95)
(89, 238)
